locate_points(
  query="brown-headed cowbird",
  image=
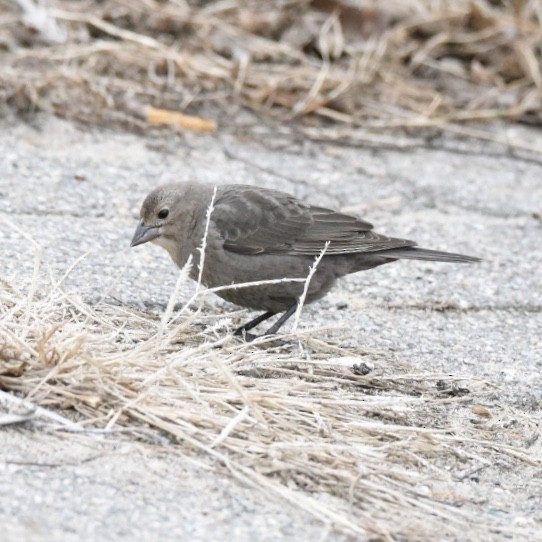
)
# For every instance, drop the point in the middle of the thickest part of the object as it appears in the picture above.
(257, 234)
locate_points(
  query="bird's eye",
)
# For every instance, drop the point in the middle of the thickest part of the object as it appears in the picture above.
(163, 213)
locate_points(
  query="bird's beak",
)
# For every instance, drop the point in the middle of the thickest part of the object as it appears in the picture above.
(144, 234)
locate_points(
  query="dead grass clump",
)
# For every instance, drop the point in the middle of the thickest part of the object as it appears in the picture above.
(378, 455)
(388, 64)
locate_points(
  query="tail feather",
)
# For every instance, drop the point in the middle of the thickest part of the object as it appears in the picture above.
(413, 253)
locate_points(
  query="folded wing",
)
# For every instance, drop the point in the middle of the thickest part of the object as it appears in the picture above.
(253, 220)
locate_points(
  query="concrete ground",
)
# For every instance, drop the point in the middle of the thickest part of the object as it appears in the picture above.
(77, 190)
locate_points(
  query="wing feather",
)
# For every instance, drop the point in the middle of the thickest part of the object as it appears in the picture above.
(254, 220)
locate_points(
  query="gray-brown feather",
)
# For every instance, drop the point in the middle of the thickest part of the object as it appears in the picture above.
(259, 221)
(256, 234)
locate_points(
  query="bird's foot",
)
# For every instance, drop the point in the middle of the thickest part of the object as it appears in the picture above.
(250, 337)
(244, 335)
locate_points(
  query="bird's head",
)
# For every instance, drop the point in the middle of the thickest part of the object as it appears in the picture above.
(158, 214)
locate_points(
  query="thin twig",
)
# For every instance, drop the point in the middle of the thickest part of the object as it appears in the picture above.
(312, 271)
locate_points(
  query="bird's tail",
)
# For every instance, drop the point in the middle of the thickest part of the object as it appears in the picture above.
(413, 253)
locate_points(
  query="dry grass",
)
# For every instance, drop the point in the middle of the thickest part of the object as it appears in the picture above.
(381, 455)
(381, 65)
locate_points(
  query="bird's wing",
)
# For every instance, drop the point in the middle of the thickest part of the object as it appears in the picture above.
(253, 220)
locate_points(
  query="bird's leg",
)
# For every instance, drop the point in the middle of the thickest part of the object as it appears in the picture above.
(253, 323)
(278, 324)
(272, 330)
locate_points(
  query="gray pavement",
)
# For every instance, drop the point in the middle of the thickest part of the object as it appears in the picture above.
(96, 489)
(76, 191)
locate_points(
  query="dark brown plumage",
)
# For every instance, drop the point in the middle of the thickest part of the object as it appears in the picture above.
(258, 234)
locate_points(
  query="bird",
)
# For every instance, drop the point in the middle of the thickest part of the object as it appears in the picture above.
(260, 234)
